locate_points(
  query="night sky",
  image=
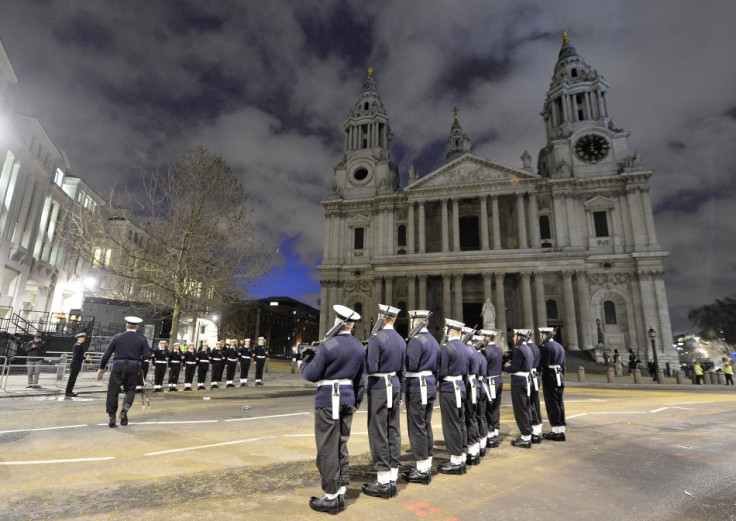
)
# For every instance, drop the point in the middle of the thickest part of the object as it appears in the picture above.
(126, 87)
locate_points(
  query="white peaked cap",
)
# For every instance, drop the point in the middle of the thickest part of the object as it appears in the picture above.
(388, 310)
(346, 313)
(419, 313)
(454, 324)
(133, 320)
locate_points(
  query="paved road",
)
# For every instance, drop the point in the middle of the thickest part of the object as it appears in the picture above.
(633, 452)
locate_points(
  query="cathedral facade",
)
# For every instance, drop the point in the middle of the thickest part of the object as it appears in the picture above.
(571, 245)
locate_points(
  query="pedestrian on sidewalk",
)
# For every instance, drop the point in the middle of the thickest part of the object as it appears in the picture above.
(35, 350)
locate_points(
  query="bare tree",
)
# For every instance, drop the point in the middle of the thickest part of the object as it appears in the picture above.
(187, 244)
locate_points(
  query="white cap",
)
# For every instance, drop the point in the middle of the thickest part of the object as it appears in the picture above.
(247, 340)
(522, 332)
(454, 324)
(133, 320)
(419, 313)
(388, 310)
(546, 330)
(488, 332)
(261, 338)
(345, 313)
(477, 338)
(467, 330)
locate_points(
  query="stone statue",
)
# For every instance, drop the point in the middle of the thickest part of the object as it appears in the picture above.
(488, 313)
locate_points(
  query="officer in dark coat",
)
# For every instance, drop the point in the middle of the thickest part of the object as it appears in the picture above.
(190, 366)
(338, 366)
(553, 383)
(175, 359)
(203, 364)
(422, 353)
(535, 375)
(385, 356)
(160, 360)
(494, 358)
(452, 369)
(75, 366)
(520, 367)
(129, 349)
(231, 362)
(246, 353)
(260, 353)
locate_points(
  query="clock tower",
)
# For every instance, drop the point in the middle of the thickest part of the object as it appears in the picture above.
(582, 139)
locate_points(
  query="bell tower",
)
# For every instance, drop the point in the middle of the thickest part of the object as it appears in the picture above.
(366, 169)
(582, 139)
(459, 143)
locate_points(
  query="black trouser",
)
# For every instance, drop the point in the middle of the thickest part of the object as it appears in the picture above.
(217, 369)
(231, 364)
(74, 369)
(471, 419)
(729, 378)
(453, 422)
(202, 372)
(419, 424)
(331, 437)
(482, 422)
(189, 372)
(535, 410)
(159, 373)
(553, 402)
(522, 409)
(128, 380)
(493, 408)
(244, 367)
(260, 362)
(384, 432)
(174, 373)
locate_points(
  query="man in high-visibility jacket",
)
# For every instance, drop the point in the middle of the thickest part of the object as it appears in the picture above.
(728, 371)
(698, 369)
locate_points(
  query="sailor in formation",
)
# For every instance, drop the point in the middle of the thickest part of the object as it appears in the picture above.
(534, 376)
(260, 353)
(246, 353)
(385, 356)
(190, 366)
(519, 367)
(553, 383)
(231, 361)
(471, 447)
(483, 392)
(203, 364)
(494, 359)
(160, 360)
(174, 366)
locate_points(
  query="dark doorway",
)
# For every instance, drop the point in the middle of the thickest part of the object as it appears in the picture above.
(471, 314)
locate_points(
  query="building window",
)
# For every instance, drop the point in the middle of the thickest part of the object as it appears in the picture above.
(545, 232)
(552, 309)
(360, 174)
(609, 312)
(358, 308)
(469, 234)
(359, 237)
(600, 222)
(401, 236)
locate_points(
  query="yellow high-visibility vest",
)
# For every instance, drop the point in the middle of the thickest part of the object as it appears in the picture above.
(698, 370)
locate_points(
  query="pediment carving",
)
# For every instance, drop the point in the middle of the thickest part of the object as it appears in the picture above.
(470, 171)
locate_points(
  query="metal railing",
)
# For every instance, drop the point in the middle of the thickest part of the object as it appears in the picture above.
(18, 374)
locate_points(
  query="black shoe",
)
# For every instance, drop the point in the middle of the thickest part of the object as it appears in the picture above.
(341, 501)
(536, 438)
(377, 490)
(554, 436)
(465, 467)
(415, 476)
(111, 423)
(245, 384)
(230, 385)
(492, 443)
(472, 460)
(123, 417)
(451, 468)
(322, 504)
(70, 395)
(482, 452)
(174, 389)
(394, 490)
(524, 444)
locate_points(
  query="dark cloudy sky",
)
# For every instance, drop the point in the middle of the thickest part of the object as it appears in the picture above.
(128, 86)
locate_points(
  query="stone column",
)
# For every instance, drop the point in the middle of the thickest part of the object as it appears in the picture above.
(665, 328)
(325, 311)
(412, 292)
(410, 230)
(380, 240)
(521, 221)
(422, 292)
(378, 291)
(540, 300)
(483, 223)
(488, 287)
(526, 298)
(648, 217)
(534, 221)
(446, 296)
(422, 229)
(637, 217)
(445, 238)
(500, 305)
(458, 308)
(571, 325)
(496, 223)
(455, 225)
(390, 232)
(586, 322)
(389, 291)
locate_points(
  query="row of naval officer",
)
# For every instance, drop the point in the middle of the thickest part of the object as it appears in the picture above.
(467, 375)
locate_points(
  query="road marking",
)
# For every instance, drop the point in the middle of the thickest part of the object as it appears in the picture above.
(170, 423)
(47, 428)
(620, 412)
(576, 415)
(198, 447)
(267, 417)
(690, 403)
(298, 435)
(47, 461)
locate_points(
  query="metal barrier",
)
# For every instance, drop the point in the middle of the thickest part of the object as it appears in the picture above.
(18, 375)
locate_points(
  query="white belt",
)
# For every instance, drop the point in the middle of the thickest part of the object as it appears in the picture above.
(216, 359)
(557, 369)
(486, 387)
(525, 375)
(473, 390)
(422, 375)
(535, 380)
(492, 385)
(389, 386)
(232, 359)
(335, 393)
(191, 363)
(160, 361)
(456, 385)
(264, 356)
(175, 362)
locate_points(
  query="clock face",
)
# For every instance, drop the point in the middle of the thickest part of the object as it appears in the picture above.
(592, 148)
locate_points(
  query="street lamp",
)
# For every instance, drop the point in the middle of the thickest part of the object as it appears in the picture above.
(655, 367)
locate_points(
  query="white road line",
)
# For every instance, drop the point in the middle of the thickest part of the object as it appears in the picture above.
(576, 415)
(298, 435)
(185, 449)
(659, 410)
(620, 412)
(267, 417)
(172, 423)
(46, 428)
(690, 403)
(48, 461)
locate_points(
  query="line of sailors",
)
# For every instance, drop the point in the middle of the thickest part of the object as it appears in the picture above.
(222, 359)
(466, 370)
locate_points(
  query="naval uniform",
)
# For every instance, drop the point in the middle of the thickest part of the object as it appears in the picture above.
(159, 357)
(385, 367)
(76, 365)
(174, 368)
(203, 365)
(553, 383)
(338, 365)
(422, 353)
(218, 366)
(260, 352)
(452, 367)
(483, 399)
(190, 365)
(494, 358)
(129, 349)
(521, 366)
(231, 362)
(246, 353)
(535, 374)
(471, 400)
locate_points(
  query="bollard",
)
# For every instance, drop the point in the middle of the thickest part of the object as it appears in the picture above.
(265, 366)
(637, 376)
(581, 373)
(293, 365)
(708, 377)
(660, 376)
(721, 378)
(609, 375)
(678, 377)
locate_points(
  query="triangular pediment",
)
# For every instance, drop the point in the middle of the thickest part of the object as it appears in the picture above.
(470, 170)
(599, 202)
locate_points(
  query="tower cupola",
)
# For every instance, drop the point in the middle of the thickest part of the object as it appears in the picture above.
(459, 142)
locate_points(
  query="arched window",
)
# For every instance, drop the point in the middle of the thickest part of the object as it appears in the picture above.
(552, 309)
(358, 308)
(609, 312)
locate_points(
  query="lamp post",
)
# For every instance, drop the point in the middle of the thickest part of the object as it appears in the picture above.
(652, 336)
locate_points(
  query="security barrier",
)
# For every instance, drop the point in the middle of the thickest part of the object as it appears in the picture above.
(19, 375)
